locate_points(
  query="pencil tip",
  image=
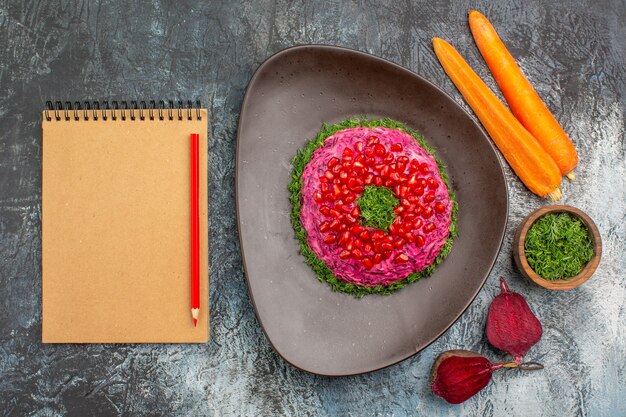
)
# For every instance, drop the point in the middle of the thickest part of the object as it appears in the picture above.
(195, 322)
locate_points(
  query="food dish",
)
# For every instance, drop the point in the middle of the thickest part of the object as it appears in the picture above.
(332, 333)
(371, 206)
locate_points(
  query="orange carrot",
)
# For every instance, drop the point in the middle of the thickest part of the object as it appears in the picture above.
(523, 100)
(529, 160)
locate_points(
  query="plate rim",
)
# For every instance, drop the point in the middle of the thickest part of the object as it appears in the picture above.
(277, 55)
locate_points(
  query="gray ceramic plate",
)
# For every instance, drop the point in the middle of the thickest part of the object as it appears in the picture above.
(311, 327)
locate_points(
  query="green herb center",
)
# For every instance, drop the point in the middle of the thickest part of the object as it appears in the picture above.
(558, 246)
(376, 205)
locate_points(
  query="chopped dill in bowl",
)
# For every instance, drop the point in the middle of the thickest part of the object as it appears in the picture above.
(558, 246)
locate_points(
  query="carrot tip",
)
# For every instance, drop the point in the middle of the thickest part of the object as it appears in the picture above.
(555, 195)
(571, 176)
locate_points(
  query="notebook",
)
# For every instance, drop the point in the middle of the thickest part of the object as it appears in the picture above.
(116, 223)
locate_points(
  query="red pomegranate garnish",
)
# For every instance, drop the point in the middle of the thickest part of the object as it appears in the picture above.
(367, 163)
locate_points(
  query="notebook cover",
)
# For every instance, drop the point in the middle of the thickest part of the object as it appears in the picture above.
(116, 233)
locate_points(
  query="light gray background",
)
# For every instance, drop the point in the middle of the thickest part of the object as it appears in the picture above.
(573, 52)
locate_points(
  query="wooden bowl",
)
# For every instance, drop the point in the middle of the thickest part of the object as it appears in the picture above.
(519, 252)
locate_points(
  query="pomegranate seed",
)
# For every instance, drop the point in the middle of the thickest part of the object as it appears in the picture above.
(410, 237)
(377, 258)
(317, 197)
(367, 263)
(418, 190)
(365, 235)
(369, 178)
(401, 258)
(400, 231)
(359, 189)
(337, 181)
(384, 172)
(332, 162)
(370, 161)
(386, 246)
(343, 175)
(378, 181)
(347, 153)
(357, 253)
(424, 169)
(345, 254)
(392, 228)
(358, 165)
(412, 180)
(334, 213)
(324, 227)
(372, 140)
(336, 169)
(406, 203)
(398, 209)
(419, 209)
(336, 190)
(380, 150)
(386, 254)
(330, 239)
(379, 167)
(394, 176)
(409, 217)
(377, 235)
(388, 183)
(414, 166)
(413, 198)
(404, 159)
(323, 179)
(325, 188)
(388, 239)
(350, 198)
(388, 158)
(427, 212)
(329, 175)
(421, 182)
(430, 197)
(347, 165)
(356, 212)
(345, 208)
(400, 166)
(370, 152)
(432, 183)
(399, 243)
(350, 219)
(359, 146)
(420, 241)
(325, 210)
(345, 237)
(356, 229)
(352, 183)
(417, 223)
(358, 243)
(440, 207)
(334, 225)
(350, 246)
(396, 147)
(429, 227)
(367, 247)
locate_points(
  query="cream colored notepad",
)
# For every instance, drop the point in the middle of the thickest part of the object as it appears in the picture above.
(116, 227)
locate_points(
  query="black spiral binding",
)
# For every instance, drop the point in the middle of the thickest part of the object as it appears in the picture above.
(96, 110)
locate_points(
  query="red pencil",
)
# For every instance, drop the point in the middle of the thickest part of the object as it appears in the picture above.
(195, 227)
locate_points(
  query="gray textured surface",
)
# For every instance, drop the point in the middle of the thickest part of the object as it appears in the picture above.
(572, 52)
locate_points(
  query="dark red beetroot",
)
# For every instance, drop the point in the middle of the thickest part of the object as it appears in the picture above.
(457, 375)
(511, 326)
